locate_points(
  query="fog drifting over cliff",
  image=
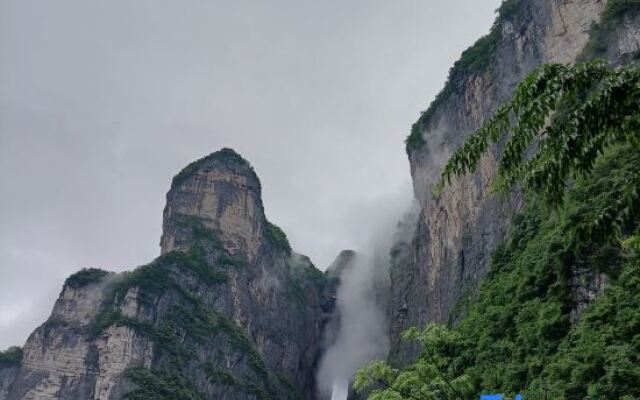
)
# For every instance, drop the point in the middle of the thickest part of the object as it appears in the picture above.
(362, 333)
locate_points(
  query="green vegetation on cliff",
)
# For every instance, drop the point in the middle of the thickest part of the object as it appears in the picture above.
(84, 277)
(570, 115)
(473, 60)
(158, 384)
(11, 357)
(517, 334)
(277, 237)
(614, 14)
(187, 329)
(572, 143)
(185, 326)
(224, 155)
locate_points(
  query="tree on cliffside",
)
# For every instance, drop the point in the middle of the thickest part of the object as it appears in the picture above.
(437, 374)
(571, 140)
(560, 120)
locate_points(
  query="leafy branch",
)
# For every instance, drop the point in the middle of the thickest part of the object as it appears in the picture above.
(560, 120)
(433, 376)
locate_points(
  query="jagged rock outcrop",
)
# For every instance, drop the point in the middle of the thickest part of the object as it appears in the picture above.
(457, 233)
(224, 194)
(227, 311)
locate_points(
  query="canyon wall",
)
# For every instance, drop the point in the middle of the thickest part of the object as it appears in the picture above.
(456, 233)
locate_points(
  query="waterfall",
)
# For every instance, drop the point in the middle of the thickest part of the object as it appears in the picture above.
(361, 334)
(340, 390)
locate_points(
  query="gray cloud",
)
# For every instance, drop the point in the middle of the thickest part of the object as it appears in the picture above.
(101, 103)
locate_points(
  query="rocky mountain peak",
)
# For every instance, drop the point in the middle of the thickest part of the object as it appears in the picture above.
(219, 192)
(228, 311)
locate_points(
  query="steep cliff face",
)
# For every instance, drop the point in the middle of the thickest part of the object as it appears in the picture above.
(457, 233)
(227, 311)
(223, 194)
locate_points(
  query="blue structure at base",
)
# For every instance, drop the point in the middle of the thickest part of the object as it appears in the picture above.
(497, 397)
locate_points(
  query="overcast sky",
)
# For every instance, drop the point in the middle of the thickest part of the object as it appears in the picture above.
(102, 102)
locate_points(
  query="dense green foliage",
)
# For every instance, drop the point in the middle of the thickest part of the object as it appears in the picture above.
(473, 60)
(85, 276)
(615, 12)
(438, 374)
(571, 141)
(569, 115)
(11, 357)
(517, 334)
(601, 357)
(159, 385)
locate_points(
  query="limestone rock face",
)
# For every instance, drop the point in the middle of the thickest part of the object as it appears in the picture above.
(222, 192)
(227, 311)
(457, 233)
(56, 356)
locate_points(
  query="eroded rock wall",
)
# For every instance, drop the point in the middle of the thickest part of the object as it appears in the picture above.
(458, 232)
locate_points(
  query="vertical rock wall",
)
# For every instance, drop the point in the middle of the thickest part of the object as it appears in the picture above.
(457, 233)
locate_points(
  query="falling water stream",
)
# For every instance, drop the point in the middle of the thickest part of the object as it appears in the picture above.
(362, 332)
(340, 390)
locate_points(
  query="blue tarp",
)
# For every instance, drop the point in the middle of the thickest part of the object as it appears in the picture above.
(491, 397)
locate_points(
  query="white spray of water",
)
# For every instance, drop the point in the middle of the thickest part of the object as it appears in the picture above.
(340, 390)
(362, 335)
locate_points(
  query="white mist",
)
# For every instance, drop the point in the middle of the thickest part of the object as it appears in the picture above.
(362, 327)
(362, 333)
(340, 390)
